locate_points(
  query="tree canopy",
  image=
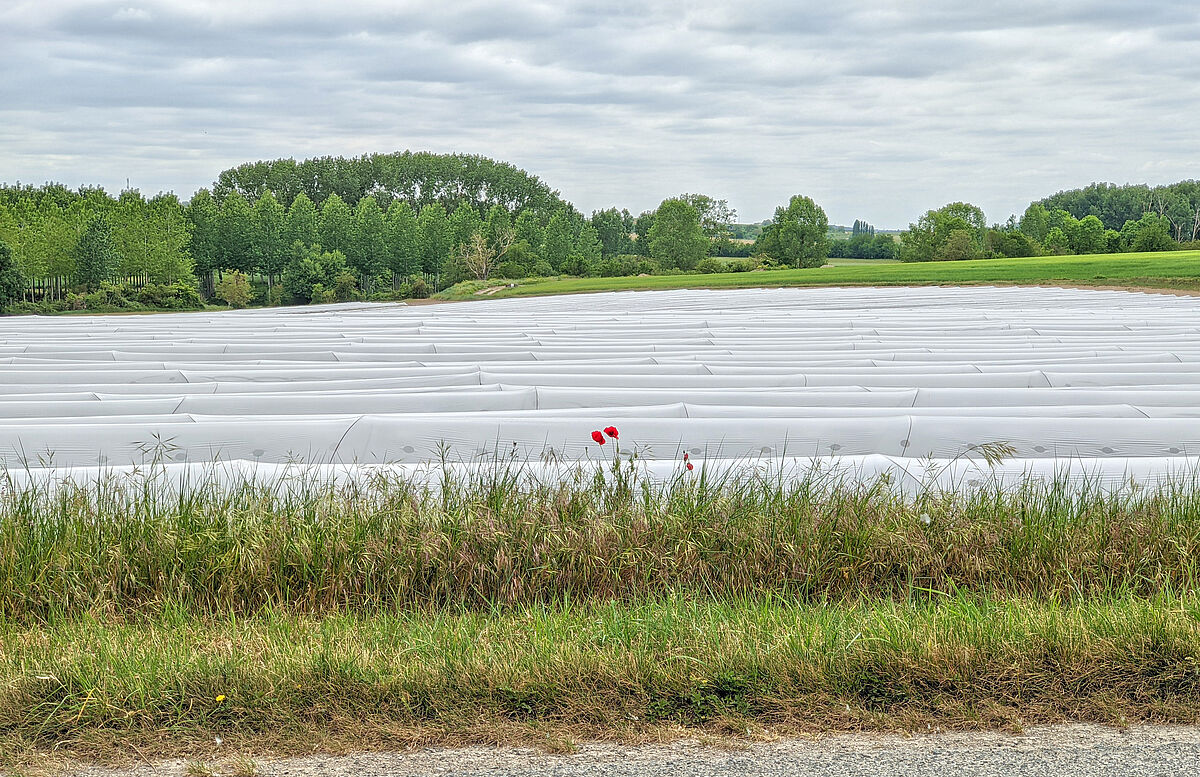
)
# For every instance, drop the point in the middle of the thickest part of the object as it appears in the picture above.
(419, 178)
(798, 235)
(677, 239)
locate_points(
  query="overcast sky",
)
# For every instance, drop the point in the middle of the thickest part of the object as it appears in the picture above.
(878, 110)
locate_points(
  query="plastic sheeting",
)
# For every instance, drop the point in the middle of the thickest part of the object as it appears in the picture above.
(881, 379)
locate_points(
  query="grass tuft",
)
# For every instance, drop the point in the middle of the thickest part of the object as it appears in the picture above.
(504, 541)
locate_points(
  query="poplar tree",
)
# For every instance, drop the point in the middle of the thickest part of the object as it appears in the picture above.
(402, 239)
(336, 226)
(96, 257)
(302, 220)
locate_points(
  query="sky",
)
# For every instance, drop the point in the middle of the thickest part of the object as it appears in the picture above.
(878, 110)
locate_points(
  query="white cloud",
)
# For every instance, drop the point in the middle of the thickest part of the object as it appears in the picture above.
(880, 110)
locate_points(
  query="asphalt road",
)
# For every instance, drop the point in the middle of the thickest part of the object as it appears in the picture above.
(1057, 751)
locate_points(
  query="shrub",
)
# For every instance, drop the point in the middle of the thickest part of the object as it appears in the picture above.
(710, 265)
(106, 296)
(345, 287)
(511, 270)
(310, 268)
(414, 287)
(170, 296)
(741, 265)
(233, 288)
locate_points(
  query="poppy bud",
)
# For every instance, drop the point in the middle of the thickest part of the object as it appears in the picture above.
(611, 431)
(598, 437)
(691, 466)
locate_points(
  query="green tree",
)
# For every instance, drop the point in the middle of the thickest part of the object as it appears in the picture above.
(1089, 236)
(498, 229)
(270, 234)
(716, 216)
(369, 254)
(1011, 243)
(302, 222)
(151, 237)
(205, 244)
(237, 227)
(1036, 222)
(957, 246)
(402, 239)
(1149, 233)
(1057, 242)
(526, 250)
(926, 240)
(96, 257)
(557, 242)
(313, 275)
(1067, 224)
(464, 223)
(641, 228)
(798, 235)
(586, 253)
(12, 283)
(435, 237)
(336, 226)
(610, 228)
(677, 238)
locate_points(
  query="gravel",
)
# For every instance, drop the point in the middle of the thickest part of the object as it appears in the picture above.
(1053, 751)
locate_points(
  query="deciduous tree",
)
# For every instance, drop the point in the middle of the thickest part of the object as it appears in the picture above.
(677, 238)
(798, 235)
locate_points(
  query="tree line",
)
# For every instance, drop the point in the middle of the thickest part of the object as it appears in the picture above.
(1097, 219)
(389, 226)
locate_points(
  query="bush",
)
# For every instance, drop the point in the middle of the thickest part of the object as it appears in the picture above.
(741, 265)
(419, 290)
(107, 296)
(233, 288)
(414, 287)
(710, 265)
(345, 287)
(624, 264)
(170, 296)
(313, 275)
(511, 270)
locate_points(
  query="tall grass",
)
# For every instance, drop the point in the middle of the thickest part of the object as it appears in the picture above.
(502, 540)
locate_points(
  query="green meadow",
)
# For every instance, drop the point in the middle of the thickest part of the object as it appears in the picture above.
(1165, 270)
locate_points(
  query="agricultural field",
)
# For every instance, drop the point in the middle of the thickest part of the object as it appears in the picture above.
(1163, 270)
(627, 516)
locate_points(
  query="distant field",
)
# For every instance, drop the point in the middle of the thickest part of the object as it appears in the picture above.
(846, 262)
(1168, 270)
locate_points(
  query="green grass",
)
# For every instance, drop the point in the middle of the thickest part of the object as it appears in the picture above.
(1168, 270)
(500, 541)
(850, 262)
(499, 609)
(93, 684)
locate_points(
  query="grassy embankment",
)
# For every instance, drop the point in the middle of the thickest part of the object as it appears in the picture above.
(1171, 270)
(498, 610)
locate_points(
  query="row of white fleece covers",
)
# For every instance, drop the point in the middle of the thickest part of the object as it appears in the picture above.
(904, 381)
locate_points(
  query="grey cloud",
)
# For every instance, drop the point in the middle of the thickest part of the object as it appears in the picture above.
(879, 110)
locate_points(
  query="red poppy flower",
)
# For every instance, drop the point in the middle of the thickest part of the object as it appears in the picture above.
(598, 437)
(611, 431)
(685, 457)
(691, 466)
